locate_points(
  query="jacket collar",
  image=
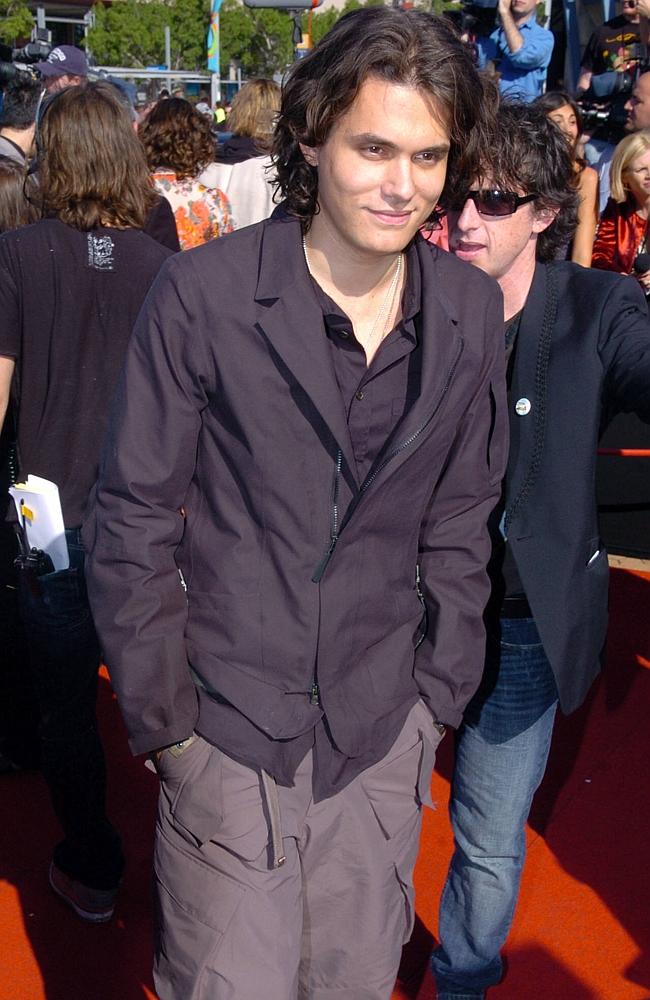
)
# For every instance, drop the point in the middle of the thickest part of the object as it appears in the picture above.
(292, 321)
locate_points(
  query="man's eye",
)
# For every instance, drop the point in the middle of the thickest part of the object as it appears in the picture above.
(374, 150)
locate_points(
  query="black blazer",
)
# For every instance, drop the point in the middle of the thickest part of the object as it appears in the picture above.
(583, 354)
(229, 408)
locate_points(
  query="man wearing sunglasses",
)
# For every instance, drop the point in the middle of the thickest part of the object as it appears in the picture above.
(578, 350)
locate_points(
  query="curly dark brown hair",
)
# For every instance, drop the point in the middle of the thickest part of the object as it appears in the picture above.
(92, 169)
(528, 154)
(176, 136)
(402, 47)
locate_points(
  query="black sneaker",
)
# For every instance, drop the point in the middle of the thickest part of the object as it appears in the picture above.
(94, 905)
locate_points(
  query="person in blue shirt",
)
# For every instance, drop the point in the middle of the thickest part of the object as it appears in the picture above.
(521, 49)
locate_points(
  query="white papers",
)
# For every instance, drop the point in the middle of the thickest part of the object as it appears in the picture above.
(39, 511)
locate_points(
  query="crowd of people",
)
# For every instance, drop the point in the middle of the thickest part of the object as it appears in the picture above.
(326, 472)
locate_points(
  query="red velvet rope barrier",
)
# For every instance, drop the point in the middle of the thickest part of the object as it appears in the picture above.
(626, 452)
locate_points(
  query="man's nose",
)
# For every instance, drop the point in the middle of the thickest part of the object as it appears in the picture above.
(468, 217)
(399, 183)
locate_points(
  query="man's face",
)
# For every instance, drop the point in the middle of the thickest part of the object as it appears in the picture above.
(380, 171)
(630, 12)
(638, 106)
(522, 8)
(500, 246)
(54, 83)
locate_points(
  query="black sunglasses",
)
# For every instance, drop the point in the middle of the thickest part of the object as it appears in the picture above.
(494, 202)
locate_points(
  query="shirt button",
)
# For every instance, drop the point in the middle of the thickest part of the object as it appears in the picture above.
(360, 394)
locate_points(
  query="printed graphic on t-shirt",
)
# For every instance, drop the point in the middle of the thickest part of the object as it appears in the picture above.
(613, 46)
(100, 252)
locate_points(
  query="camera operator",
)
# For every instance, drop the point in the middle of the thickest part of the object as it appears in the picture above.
(18, 118)
(637, 117)
(612, 47)
(614, 57)
(520, 48)
(66, 66)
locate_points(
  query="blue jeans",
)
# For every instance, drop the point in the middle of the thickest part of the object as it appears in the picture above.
(64, 659)
(501, 754)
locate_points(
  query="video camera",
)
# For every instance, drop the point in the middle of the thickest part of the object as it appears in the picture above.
(603, 104)
(474, 20)
(19, 63)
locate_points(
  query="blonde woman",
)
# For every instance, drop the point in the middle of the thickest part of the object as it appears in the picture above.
(623, 229)
(251, 121)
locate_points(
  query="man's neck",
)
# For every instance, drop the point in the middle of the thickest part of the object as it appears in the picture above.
(23, 138)
(521, 19)
(335, 264)
(367, 286)
(515, 285)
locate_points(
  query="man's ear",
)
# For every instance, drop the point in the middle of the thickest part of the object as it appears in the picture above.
(544, 218)
(310, 153)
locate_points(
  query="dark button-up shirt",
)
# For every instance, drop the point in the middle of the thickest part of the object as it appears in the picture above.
(378, 395)
(375, 397)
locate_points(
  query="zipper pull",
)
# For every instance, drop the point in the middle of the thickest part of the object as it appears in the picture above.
(322, 566)
(314, 696)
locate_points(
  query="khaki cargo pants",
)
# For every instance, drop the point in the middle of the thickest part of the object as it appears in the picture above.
(264, 895)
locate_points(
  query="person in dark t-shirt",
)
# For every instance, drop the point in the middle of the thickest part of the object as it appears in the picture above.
(613, 46)
(71, 286)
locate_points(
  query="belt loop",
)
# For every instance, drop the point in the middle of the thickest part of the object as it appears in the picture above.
(273, 805)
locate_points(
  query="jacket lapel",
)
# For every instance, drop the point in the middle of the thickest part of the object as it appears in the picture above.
(292, 322)
(441, 349)
(527, 406)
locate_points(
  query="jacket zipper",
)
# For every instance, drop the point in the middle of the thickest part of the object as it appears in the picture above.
(334, 534)
(334, 524)
(409, 441)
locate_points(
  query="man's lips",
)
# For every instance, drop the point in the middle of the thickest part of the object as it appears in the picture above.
(465, 247)
(391, 218)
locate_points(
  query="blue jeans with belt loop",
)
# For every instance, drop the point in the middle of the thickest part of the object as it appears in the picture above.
(64, 659)
(501, 755)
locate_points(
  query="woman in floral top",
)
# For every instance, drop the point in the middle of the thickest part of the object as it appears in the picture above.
(179, 145)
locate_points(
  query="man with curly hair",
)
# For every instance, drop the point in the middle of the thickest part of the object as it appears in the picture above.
(306, 445)
(578, 350)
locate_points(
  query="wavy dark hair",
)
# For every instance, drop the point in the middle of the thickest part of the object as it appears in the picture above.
(552, 101)
(91, 166)
(20, 104)
(177, 136)
(18, 196)
(404, 47)
(528, 154)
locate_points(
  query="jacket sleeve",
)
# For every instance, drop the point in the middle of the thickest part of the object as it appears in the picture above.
(624, 348)
(454, 541)
(136, 523)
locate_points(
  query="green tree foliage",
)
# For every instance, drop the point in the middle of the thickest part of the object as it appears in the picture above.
(259, 39)
(133, 33)
(16, 21)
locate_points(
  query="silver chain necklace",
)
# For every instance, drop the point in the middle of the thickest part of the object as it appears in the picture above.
(389, 299)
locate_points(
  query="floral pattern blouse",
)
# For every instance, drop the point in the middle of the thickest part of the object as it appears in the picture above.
(201, 213)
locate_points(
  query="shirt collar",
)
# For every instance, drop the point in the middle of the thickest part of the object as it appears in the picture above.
(411, 296)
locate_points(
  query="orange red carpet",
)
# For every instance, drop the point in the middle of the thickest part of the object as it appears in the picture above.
(582, 930)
